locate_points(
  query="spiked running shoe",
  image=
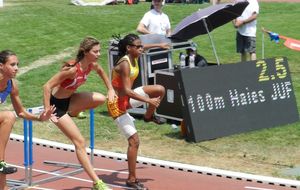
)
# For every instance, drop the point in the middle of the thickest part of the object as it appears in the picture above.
(155, 119)
(100, 185)
(136, 185)
(81, 115)
(7, 169)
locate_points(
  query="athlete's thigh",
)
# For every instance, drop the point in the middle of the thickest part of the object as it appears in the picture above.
(69, 128)
(85, 100)
(7, 115)
(154, 90)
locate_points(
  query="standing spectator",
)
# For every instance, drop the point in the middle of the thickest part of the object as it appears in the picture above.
(155, 21)
(124, 73)
(8, 69)
(152, 7)
(60, 91)
(246, 31)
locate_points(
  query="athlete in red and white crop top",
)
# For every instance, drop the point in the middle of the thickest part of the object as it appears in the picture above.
(80, 78)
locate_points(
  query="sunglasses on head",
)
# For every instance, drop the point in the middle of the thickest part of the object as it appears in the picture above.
(137, 46)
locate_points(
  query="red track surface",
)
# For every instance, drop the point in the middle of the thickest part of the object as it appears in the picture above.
(114, 173)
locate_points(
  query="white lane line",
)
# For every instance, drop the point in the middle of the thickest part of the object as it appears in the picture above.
(40, 188)
(256, 188)
(110, 171)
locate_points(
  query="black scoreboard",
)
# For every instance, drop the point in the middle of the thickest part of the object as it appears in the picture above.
(233, 98)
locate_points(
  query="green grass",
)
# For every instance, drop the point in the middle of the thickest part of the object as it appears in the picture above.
(39, 28)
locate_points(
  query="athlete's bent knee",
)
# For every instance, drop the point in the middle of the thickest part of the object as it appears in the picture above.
(161, 89)
(99, 99)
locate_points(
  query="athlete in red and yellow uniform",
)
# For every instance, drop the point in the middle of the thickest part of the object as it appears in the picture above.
(119, 106)
(124, 73)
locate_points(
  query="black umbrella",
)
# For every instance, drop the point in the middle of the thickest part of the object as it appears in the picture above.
(205, 20)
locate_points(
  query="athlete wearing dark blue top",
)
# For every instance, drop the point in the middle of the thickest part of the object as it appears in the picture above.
(6, 92)
(8, 69)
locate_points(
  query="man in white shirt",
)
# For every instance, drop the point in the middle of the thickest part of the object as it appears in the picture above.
(155, 21)
(246, 31)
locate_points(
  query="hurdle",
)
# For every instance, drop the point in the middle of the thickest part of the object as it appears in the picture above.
(28, 156)
(28, 161)
(78, 168)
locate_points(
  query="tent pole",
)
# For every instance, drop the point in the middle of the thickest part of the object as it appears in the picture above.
(211, 41)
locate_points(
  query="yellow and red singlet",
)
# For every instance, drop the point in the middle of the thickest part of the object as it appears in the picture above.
(119, 106)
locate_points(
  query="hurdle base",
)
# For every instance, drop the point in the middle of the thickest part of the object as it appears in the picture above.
(16, 184)
(62, 164)
(54, 178)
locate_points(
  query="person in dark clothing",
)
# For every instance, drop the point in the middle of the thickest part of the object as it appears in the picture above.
(199, 60)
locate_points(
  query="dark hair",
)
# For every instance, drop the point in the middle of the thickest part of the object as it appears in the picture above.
(4, 55)
(123, 43)
(85, 46)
